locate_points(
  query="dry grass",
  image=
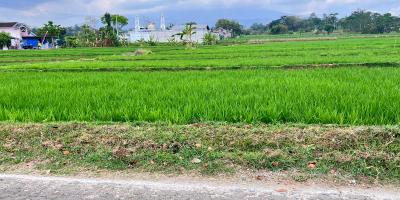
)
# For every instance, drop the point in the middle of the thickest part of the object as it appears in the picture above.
(372, 152)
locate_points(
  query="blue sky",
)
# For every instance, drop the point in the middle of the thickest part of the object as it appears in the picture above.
(70, 12)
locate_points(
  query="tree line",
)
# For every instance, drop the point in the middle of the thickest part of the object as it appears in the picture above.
(360, 21)
(85, 35)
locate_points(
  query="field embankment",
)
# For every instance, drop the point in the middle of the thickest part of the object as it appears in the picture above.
(302, 151)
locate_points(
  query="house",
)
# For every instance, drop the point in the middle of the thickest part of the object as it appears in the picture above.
(223, 33)
(17, 32)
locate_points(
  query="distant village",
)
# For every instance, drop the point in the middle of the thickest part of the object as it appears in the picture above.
(24, 37)
(115, 30)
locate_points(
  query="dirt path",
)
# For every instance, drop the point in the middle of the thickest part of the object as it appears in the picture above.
(45, 187)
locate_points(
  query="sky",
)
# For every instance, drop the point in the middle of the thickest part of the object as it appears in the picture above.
(71, 12)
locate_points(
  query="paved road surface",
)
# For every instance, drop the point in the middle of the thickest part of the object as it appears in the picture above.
(36, 187)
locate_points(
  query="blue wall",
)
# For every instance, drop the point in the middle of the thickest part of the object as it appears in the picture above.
(33, 42)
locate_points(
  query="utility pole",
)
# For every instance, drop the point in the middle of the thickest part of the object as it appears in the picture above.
(116, 23)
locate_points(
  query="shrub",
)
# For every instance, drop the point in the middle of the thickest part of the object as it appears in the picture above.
(5, 40)
(279, 29)
(210, 39)
(71, 42)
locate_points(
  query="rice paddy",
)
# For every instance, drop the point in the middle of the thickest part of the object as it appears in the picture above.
(376, 51)
(313, 96)
(345, 95)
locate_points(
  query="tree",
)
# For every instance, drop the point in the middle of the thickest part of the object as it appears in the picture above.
(279, 29)
(313, 23)
(5, 40)
(258, 28)
(366, 22)
(107, 20)
(71, 41)
(116, 21)
(293, 23)
(230, 25)
(72, 30)
(87, 36)
(188, 32)
(329, 28)
(107, 34)
(52, 31)
(330, 22)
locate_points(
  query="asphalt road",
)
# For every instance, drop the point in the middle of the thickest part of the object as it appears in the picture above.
(25, 187)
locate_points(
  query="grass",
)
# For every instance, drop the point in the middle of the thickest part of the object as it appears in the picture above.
(219, 148)
(342, 51)
(352, 82)
(359, 96)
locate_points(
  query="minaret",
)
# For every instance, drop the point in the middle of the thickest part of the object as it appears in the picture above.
(137, 24)
(162, 23)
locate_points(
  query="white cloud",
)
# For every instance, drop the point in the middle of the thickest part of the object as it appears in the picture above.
(74, 11)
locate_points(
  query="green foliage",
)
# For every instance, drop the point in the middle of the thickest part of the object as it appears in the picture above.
(106, 19)
(52, 30)
(5, 40)
(210, 39)
(329, 28)
(368, 22)
(71, 42)
(119, 21)
(258, 28)
(87, 36)
(231, 25)
(359, 21)
(114, 21)
(279, 29)
(152, 41)
(107, 34)
(187, 33)
(172, 41)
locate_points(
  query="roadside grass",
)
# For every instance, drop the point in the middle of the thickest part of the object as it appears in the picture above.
(357, 152)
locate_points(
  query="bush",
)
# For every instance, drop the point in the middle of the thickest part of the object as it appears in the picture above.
(172, 42)
(71, 42)
(279, 29)
(210, 39)
(5, 40)
(152, 41)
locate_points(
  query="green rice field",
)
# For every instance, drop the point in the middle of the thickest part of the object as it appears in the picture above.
(255, 83)
(375, 51)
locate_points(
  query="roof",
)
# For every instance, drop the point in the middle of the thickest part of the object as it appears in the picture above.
(7, 24)
(197, 26)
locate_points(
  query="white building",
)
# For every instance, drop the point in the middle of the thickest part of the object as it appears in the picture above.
(16, 30)
(164, 34)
